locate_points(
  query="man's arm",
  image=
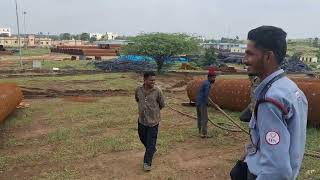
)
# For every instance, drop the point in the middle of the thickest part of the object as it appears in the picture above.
(136, 95)
(274, 144)
(206, 90)
(161, 99)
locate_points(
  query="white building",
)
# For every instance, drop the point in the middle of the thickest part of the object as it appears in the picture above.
(226, 46)
(5, 31)
(98, 36)
(110, 36)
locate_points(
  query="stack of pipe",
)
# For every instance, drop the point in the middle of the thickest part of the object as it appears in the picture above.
(234, 94)
(98, 51)
(10, 97)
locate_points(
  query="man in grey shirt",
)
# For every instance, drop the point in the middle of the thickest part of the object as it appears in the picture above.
(150, 101)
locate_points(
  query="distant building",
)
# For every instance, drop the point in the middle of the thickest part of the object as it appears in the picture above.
(68, 43)
(310, 59)
(240, 49)
(110, 36)
(98, 36)
(5, 31)
(29, 41)
(225, 46)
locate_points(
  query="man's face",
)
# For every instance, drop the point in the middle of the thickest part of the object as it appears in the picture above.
(254, 59)
(150, 81)
(211, 78)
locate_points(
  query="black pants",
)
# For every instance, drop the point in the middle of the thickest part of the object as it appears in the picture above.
(241, 172)
(148, 137)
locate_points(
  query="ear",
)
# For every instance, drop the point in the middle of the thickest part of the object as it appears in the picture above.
(269, 56)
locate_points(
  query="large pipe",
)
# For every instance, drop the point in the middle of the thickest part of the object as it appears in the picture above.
(234, 94)
(10, 97)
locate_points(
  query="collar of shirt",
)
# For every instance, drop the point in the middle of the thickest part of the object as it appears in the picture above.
(145, 91)
(263, 83)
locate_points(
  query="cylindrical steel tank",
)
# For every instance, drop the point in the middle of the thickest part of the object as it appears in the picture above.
(10, 97)
(234, 94)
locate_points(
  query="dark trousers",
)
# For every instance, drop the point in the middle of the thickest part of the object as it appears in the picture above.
(241, 172)
(202, 119)
(148, 137)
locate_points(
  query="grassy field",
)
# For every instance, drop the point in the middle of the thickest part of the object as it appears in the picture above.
(96, 137)
(34, 51)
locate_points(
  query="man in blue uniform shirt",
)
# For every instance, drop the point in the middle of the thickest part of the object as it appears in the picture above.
(278, 124)
(202, 104)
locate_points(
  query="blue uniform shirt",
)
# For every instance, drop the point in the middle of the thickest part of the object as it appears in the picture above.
(280, 141)
(203, 93)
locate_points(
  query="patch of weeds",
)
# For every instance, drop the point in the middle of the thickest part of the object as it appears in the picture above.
(9, 162)
(62, 174)
(19, 117)
(60, 134)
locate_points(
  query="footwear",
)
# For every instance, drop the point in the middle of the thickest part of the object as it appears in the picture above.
(146, 167)
(206, 136)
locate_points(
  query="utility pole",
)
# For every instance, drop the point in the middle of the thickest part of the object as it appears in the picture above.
(21, 65)
(25, 30)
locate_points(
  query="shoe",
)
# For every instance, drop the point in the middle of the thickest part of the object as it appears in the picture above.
(146, 167)
(206, 136)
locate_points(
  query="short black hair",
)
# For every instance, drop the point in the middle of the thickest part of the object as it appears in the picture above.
(270, 38)
(148, 74)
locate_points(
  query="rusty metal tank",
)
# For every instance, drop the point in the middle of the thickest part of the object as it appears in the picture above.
(234, 94)
(10, 97)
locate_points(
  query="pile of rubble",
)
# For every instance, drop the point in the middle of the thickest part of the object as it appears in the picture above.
(125, 66)
(294, 65)
(230, 57)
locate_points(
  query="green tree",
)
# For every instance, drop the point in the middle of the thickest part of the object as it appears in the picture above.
(162, 46)
(318, 54)
(85, 37)
(65, 36)
(316, 42)
(75, 37)
(296, 55)
(93, 39)
(209, 57)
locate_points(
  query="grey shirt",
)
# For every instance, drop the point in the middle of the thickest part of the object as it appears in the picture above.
(149, 105)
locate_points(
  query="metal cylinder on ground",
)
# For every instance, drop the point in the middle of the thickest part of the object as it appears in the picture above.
(10, 97)
(234, 94)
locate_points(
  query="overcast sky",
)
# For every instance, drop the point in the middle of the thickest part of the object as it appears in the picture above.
(208, 18)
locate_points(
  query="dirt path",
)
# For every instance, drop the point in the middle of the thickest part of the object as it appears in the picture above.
(188, 160)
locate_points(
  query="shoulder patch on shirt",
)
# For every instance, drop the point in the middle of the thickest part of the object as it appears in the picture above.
(272, 138)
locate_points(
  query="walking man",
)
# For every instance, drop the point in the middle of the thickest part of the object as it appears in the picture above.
(150, 101)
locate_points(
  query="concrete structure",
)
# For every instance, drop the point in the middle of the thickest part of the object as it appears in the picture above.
(98, 36)
(68, 43)
(224, 46)
(30, 41)
(5, 31)
(110, 36)
(311, 59)
(240, 49)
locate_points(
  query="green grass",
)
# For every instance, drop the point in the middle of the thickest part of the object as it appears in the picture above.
(97, 81)
(68, 64)
(34, 51)
(73, 133)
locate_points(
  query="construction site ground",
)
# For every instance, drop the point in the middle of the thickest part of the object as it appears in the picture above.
(84, 126)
